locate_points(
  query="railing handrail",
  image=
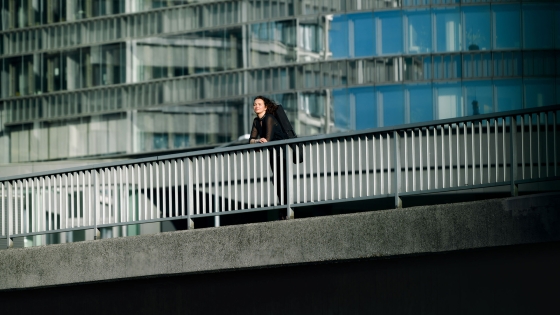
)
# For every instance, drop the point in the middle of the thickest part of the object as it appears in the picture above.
(193, 153)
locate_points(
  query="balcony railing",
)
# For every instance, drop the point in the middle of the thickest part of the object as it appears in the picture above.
(502, 149)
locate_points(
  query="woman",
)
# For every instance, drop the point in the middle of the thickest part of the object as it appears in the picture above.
(265, 129)
(265, 126)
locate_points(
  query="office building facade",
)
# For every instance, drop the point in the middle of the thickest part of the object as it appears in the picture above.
(122, 78)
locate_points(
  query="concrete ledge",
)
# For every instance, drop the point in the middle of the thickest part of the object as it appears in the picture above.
(418, 230)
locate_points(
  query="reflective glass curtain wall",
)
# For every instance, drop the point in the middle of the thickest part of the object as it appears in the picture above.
(121, 77)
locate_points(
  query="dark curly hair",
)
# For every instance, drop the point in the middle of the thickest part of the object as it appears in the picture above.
(271, 106)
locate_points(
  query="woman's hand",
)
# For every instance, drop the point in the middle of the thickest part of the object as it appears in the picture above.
(262, 140)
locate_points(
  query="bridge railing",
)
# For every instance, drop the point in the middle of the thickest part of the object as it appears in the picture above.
(502, 149)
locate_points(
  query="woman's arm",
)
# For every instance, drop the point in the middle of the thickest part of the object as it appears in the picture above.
(254, 134)
(268, 127)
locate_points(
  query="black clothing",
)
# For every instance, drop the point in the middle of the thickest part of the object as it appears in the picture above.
(267, 127)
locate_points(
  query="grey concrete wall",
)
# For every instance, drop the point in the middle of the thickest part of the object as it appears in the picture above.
(389, 233)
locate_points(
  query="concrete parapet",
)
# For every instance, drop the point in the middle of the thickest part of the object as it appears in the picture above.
(388, 233)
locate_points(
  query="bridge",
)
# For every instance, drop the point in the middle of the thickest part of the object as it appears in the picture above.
(505, 154)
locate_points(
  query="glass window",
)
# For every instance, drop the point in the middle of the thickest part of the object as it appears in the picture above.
(538, 23)
(388, 32)
(391, 100)
(418, 31)
(506, 26)
(271, 43)
(478, 65)
(341, 110)
(477, 27)
(449, 100)
(557, 26)
(478, 97)
(420, 102)
(539, 93)
(361, 36)
(448, 26)
(338, 36)
(508, 95)
(363, 100)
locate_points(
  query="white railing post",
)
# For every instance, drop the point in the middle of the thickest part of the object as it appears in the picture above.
(9, 241)
(289, 179)
(397, 163)
(95, 192)
(189, 175)
(513, 155)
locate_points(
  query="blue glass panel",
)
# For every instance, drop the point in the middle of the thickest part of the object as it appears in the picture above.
(362, 31)
(418, 31)
(448, 26)
(477, 27)
(539, 93)
(557, 20)
(181, 141)
(388, 32)
(341, 110)
(420, 102)
(449, 100)
(391, 99)
(507, 26)
(338, 36)
(161, 140)
(538, 23)
(508, 95)
(479, 98)
(366, 107)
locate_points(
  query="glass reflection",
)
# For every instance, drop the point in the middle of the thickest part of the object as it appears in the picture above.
(390, 99)
(477, 28)
(366, 113)
(310, 40)
(272, 43)
(338, 36)
(420, 102)
(508, 95)
(418, 31)
(448, 26)
(539, 92)
(538, 21)
(507, 25)
(342, 119)
(449, 100)
(360, 27)
(478, 97)
(388, 32)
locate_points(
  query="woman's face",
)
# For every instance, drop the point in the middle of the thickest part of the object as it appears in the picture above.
(258, 107)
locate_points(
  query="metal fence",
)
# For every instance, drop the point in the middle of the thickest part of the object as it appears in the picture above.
(503, 149)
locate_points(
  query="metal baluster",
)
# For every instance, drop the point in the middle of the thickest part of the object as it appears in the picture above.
(268, 185)
(405, 160)
(353, 169)
(332, 169)
(436, 186)
(229, 196)
(480, 150)
(413, 149)
(546, 142)
(428, 160)
(457, 155)
(346, 168)
(235, 196)
(197, 207)
(216, 185)
(531, 146)
(496, 155)
(182, 172)
(318, 172)
(163, 199)
(360, 164)
(242, 178)
(366, 146)
(169, 188)
(465, 155)
(152, 191)
(381, 165)
(504, 161)
(388, 142)
(311, 174)
(420, 164)
(539, 161)
(338, 169)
